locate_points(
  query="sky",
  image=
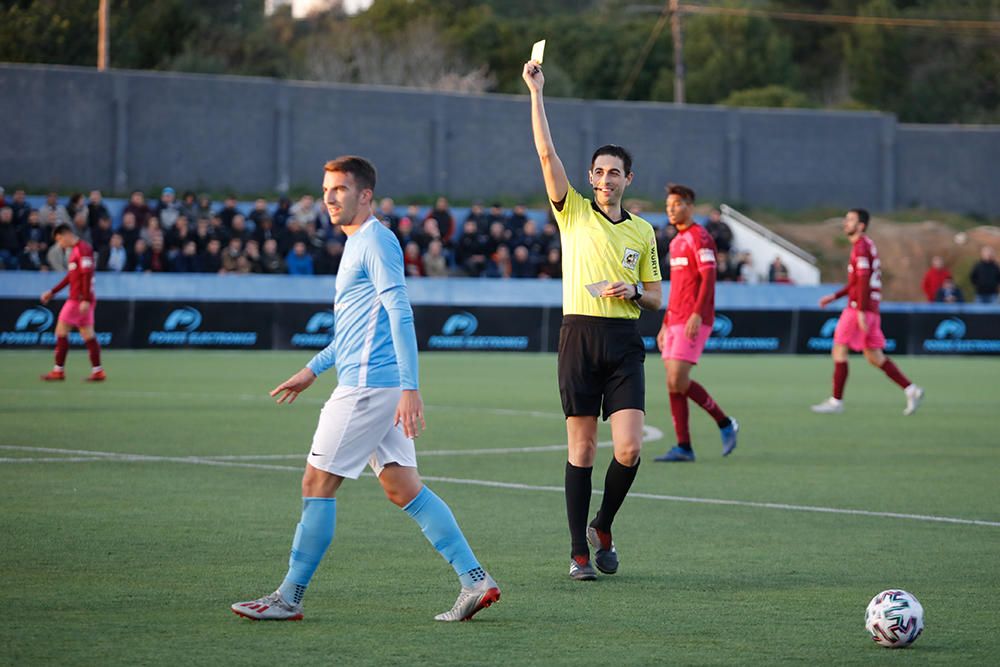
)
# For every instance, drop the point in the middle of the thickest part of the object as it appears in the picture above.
(301, 7)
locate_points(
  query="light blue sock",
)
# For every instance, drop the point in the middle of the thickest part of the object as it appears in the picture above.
(312, 537)
(440, 528)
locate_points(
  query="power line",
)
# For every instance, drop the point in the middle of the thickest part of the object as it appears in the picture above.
(886, 21)
(657, 29)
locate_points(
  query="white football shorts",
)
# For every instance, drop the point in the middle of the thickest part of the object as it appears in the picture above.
(355, 428)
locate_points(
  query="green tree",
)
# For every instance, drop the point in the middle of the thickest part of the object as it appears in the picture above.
(772, 96)
(724, 54)
(49, 31)
(876, 59)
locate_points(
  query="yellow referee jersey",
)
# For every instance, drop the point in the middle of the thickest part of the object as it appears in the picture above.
(596, 249)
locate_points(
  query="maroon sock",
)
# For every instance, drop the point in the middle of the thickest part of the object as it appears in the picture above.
(94, 348)
(698, 394)
(839, 378)
(62, 348)
(679, 410)
(895, 374)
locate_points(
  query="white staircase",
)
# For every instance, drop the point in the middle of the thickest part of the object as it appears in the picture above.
(764, 245)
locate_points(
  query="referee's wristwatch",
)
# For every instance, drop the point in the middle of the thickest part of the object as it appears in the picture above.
(638, 291)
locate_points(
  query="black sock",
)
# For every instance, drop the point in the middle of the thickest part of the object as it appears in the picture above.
(686, 446)
(578, 489)
(617, 482)
(724, 422)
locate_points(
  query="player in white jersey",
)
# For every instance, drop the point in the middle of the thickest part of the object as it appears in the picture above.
(375, 411)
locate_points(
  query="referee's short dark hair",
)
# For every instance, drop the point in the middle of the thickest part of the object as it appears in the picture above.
(682, 191)
(862, 214)
(614, 151)
(62, 228)
(361, 169)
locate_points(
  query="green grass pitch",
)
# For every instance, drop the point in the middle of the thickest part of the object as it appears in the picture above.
(132, 555)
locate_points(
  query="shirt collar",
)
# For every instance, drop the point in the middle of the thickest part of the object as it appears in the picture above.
(625, 214)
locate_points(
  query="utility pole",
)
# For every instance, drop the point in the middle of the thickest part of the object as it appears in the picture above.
(675, 29)
(102, 35)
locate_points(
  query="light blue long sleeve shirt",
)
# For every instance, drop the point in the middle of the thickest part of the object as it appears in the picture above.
(374, 343)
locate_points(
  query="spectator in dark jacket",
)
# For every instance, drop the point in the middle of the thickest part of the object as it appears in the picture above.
(270, 260)
(32, 258)
(445, 221)
(35, 231)
(522, 264)
(96, 209)
(158, 260)
(719, 231)
(986, 276)
(21, 208)
(471, 251)
(10, 244)
(211, 258)
(552, 268)
(138, 208)
(516, 219)
(282, 213)
(189, 206)
(328, 262)
(139, 258)
(228, 211)
(949, 293)
(101, 234)
(259, 212)
(478, 215)
(130, 229)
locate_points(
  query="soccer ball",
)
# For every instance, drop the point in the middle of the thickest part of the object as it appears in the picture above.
(894, 619)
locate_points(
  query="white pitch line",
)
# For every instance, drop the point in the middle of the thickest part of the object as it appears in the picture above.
(54, 459)
(720, 501)
(263, 396)
(517, 486)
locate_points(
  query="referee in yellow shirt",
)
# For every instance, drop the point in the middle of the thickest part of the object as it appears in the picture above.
(610, 272)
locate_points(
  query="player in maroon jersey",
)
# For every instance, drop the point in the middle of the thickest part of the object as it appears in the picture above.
(78, 311)
(860, 325)
(687, 323)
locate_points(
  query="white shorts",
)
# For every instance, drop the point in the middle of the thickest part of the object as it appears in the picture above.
(355, 428)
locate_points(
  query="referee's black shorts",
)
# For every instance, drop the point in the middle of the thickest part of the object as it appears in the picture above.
(600, 366)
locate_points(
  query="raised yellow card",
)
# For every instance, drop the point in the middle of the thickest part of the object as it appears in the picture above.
(538, 51)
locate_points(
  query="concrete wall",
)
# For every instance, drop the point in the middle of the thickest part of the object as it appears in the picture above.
(69, 128)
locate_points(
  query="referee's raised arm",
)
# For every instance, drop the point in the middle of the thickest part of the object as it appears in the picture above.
(556, 183)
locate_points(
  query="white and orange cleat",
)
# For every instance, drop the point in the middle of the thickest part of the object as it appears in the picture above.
(268, 608)
(472, 600)
(54, 376)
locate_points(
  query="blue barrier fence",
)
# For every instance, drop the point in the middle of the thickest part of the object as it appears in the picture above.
(424, 291)
(290, 312)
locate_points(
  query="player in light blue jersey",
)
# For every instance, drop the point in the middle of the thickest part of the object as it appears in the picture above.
(374, 413)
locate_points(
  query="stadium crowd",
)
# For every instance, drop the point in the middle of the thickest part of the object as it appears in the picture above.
(193, 234)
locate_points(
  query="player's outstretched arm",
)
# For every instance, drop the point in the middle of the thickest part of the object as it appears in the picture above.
(556, 182)
(289, 390)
